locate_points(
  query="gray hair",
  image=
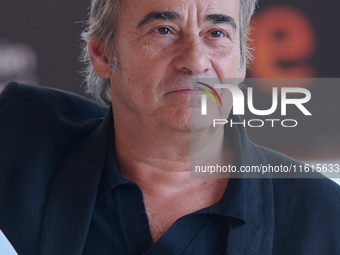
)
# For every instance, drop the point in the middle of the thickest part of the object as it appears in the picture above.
(101, 26)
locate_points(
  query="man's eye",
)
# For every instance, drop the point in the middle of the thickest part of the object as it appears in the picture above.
(217, 34)
(163, 30)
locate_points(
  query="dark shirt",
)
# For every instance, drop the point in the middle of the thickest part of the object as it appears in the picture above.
(120, 224)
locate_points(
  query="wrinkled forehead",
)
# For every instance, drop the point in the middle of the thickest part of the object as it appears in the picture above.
(195, 11)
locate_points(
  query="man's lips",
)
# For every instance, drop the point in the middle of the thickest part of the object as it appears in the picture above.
(186, 91)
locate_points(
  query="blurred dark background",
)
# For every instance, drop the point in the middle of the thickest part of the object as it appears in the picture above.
(51, 29)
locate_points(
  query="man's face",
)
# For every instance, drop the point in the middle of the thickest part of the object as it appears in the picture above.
(161, 45)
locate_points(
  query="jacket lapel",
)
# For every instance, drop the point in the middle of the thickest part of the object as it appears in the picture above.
(72, 195)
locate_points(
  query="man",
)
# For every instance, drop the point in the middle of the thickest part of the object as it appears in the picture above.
(74, 180)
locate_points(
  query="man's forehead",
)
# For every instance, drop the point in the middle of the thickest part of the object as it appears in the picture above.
(216, 18)
(208, 11)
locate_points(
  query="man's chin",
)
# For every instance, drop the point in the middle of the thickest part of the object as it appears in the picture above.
(188, 119)
(192, 122)
(200, 123)
(189, 127)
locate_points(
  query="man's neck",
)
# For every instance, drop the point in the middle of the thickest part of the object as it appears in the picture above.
(145, 153)
(159, 162)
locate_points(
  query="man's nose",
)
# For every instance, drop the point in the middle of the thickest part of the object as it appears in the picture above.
(193, 57)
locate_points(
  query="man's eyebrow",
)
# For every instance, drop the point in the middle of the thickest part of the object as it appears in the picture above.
(221, 18)
(158, 16)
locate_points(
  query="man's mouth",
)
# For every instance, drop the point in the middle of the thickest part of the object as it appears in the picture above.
(186, 91)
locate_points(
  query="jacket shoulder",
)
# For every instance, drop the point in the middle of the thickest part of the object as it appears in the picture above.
(42, 99)
(36, 119)
(32, 118)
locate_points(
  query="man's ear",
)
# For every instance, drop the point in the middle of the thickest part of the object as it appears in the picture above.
(99, 62)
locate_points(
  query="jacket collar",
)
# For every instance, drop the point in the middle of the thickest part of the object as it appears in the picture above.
(257, 198)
